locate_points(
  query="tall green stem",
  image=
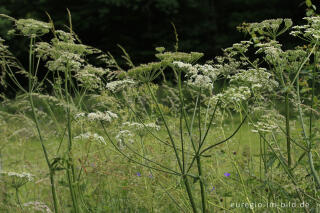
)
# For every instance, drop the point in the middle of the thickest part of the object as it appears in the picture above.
(287, 115)
(70, 167)
(188, 188)
(309, 142)
(201, 179)
(18, 199)
(51, 171)
(201, 183)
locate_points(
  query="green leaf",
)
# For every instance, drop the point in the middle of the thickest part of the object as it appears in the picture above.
(308, 3)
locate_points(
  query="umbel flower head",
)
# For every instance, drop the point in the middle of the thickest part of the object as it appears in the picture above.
(199, 76)
(271, 28)
(179, 56)
(63, 54)
(139, 128)
(123, 137)
(258, 80)
(29, 27)
(147, 72)
(91, 137)
(15, 180)
(116, 86)
(37, 206)
(309, 31)
(106, 116)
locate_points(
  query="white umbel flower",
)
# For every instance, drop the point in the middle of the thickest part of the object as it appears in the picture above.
(199, 76)
(38, 206)
(90, 136)
(116, 86)
(14, 179)
(102, 116)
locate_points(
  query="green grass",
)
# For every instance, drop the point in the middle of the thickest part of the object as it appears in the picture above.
(110, 182)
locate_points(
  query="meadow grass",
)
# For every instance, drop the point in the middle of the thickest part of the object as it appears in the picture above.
(111, 183)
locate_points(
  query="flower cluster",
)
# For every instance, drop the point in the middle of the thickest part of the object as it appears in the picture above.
(90, 136)
(309, 31)
(16, 180)
(179, 56)
(89, 76)
(116, 86)
(236, 48)
(199, 76)
(65, 55)
(38, 206)
(106, 116)
(139, 128)
(123, 137)
(233, 96)
(268, 28)
(147, 72)
(259, 80)
(268, 122)
(31, 27)
(272, 50)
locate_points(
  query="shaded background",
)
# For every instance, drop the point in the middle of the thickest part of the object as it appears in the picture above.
(141, 25)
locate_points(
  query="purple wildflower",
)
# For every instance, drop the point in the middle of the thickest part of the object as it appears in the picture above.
(227, 174)
(213, 188)
(138, 174)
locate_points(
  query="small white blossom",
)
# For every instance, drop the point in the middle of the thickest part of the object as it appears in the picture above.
(31, 27)
(38, 206)
(258, 80)
(116, 86)
(310, 31)
(90, 136)
(102, 116)
(15, 179)
(268, 122)
(199, 76)
(141, 129)
(233, 96)
(80, 115)
(124, 136)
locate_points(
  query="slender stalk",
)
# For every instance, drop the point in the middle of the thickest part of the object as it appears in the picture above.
(70, 168)
(167, 128)
(182, 143)
(309, 142)
(18, 199)
(51, 171)
(287, 116)
(193, 205)
(313, 93)
(200, 173)
(201, 183)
